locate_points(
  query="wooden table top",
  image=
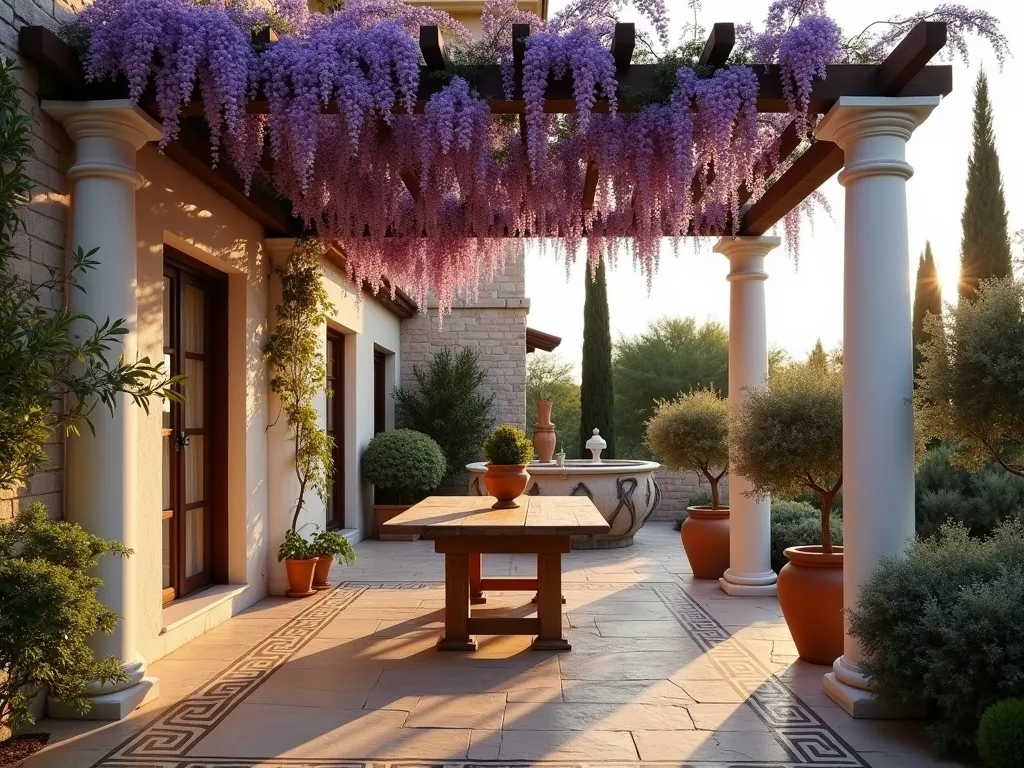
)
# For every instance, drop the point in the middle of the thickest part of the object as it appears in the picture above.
(473, 516)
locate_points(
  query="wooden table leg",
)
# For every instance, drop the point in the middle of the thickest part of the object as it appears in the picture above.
(549, 604)
(534, 600)
(476, 593)
(456, 604)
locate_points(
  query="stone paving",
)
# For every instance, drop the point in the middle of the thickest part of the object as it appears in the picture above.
(665, 671)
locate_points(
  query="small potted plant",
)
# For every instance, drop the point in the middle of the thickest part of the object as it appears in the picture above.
(508, 451)
(787, 438)
(406, 465)
(690, 434)
(300, 563)
(326, 546)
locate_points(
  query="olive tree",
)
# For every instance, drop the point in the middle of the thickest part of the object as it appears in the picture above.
(691, 434)
(788, 436)
(971, 382)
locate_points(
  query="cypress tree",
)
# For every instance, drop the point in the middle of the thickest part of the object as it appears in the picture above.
(985, 249)
(818, 359)
(597, 398)
(927, 300)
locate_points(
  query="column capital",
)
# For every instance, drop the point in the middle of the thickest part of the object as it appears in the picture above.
(278, 250)
(746, 255)
(110, 119)
(856, 118)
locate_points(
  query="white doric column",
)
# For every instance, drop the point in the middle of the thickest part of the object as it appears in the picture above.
(102, 469)
(750, 570)
(878, 384)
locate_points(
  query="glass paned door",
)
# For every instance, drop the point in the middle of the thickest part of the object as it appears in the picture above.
(186, 435)
(335, 426)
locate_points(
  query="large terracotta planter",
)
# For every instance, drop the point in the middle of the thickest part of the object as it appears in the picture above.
(544, 436)
(810, 590)
(321, 571)
(300, 577)
(384, 512)
(506, 483)
(705, 535)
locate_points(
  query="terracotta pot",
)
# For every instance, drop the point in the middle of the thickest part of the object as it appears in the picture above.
(321, 571)
(705, 535)
(811, 595)
(544, 413)
(300, 576)
(384, 512)
(544, 441)
(506, 482)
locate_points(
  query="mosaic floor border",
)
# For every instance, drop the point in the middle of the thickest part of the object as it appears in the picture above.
(166, 742)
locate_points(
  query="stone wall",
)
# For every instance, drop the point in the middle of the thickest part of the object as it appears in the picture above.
(676, 489)
(494, 327)
(41, 245)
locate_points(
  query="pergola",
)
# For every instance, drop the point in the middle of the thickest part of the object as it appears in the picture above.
(870, 113)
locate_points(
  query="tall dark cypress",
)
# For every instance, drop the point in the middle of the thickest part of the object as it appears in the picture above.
(927, 299)
(597, 398)
(985, 249)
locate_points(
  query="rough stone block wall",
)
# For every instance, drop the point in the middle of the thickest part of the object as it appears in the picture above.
(676, 489)
(42, 244)
(494, 327)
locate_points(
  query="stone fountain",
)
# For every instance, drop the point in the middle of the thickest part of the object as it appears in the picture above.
(625, 491)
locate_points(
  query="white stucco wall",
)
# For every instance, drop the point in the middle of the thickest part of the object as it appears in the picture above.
(173, 208)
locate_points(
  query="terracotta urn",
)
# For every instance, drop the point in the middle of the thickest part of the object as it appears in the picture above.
(506, 483)
(544, 436)
(300, 577)
(321, 571)
(705, 535)
(810, 590)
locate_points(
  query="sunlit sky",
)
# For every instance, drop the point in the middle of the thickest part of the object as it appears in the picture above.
(804, 301)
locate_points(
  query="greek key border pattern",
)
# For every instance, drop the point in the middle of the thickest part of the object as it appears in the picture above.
(808, 741)
(185, 724)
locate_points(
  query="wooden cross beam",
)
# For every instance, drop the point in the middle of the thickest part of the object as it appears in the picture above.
(433, 48)
(623, 45)
(719, 45)
(893, 77)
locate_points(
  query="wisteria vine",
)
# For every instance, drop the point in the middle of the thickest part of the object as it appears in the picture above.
(422, 199)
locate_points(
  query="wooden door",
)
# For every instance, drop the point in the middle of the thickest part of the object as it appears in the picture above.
(336, 427)
(192, 498)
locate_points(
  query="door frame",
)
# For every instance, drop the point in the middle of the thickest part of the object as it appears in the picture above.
(336, 404)
(215, 417)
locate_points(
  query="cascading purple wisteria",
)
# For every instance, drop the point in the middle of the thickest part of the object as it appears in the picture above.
(421, 195)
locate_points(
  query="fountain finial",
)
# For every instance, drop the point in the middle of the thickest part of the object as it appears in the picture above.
(595, 445)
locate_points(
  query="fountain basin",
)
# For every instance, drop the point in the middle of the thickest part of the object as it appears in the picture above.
(625, 492)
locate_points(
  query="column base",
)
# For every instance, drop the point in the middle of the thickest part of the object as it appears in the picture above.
(864, 705)
(109, 706)
(748, 584)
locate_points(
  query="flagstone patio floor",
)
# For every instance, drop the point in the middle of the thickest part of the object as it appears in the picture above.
(664, 670)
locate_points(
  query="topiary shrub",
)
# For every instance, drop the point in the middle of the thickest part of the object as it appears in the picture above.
(508, 445)
(404, 461)
(701, 497)
(796, 523)
(691, 434)
(942, 626)
(1001, 735)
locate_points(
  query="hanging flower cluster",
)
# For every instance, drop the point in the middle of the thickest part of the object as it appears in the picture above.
(421, 195)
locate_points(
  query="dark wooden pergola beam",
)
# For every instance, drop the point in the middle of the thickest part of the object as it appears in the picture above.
(789, 142)
(622, 46)
(433, 48)
(893, 77)
(590, 186)
(720, 43)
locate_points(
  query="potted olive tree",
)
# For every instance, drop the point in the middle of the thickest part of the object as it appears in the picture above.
(690, 434)
(299, 377)
(786, 438)
(508, 451)
(406, 464)
(972, 375)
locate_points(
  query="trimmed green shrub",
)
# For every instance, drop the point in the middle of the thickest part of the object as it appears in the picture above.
(508, 445)
(942, 626)
(795, 524)
(49, 612)
(1001, 735)
(404, 461)
(691, 434)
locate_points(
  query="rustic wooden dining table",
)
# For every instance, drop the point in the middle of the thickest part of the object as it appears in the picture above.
(464, 528)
